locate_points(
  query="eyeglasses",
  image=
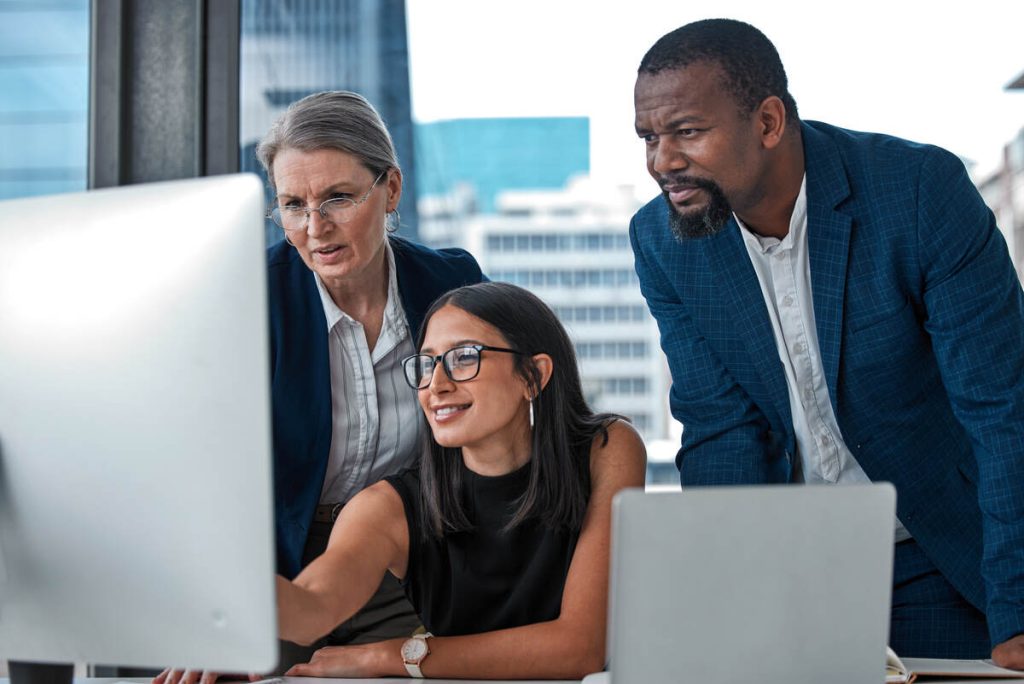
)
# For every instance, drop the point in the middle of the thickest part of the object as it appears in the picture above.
(460, 364)
(338, 210)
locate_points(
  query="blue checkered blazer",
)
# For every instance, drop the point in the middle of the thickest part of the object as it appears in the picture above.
(920, 319)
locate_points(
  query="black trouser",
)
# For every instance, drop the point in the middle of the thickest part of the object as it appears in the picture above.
(387, 615)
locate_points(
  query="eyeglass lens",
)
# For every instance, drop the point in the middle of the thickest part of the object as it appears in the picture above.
(460, 363)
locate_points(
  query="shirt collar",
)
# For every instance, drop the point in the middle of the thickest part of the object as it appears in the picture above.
(394, 316)
(797, 226)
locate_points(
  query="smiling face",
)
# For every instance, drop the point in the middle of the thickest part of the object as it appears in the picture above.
(705, 154)
(340, 253)
(488, 415)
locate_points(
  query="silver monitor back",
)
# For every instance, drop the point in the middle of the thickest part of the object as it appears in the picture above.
(775, 585)
(135, 460)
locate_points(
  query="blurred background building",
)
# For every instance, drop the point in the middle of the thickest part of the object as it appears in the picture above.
(292, 48)
(44, 97)
(515, 191)
(1003, 191)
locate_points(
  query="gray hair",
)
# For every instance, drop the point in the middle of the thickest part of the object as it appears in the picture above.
(339, 120)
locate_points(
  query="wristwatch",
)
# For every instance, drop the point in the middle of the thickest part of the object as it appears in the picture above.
(414, 651)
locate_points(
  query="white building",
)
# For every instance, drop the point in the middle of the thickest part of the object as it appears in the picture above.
(571, 248)
(1003, 192)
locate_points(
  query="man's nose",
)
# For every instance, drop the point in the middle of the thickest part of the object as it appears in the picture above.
(666, 157)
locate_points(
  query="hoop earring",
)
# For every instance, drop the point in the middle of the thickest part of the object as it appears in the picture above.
(390, 226)
(531, 413)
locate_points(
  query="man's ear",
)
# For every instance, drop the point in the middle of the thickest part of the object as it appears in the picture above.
(771, 121)
(545, 367)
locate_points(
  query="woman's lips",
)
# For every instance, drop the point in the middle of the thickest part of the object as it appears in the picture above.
(446, 413)
(328, 255)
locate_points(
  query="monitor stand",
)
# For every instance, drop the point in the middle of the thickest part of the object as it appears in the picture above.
(40, 673)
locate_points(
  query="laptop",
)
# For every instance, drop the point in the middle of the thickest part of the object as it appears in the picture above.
(775, 585)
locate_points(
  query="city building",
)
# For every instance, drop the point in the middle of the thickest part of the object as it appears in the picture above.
(292, 48)
(487, 156)
(570, 246)
(44, 77)
(1003, 192)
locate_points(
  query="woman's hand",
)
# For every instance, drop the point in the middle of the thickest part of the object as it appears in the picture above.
(173, 676)
(379, 659)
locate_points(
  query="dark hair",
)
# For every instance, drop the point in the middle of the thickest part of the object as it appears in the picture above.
(752, 67)
(564, 426)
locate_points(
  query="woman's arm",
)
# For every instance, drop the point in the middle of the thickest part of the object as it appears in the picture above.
(568, 647)
(370, 537)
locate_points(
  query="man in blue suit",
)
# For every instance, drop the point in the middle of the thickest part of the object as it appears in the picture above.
(838, 307)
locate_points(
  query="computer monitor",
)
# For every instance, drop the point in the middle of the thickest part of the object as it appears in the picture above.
(136, 523)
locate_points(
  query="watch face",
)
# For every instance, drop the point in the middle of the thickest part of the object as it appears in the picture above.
(414, 650)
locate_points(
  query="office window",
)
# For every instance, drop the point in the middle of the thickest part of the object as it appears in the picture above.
(292, 48)
(44, 78)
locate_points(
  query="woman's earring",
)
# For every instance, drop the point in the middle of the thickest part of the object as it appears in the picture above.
(531, 413)
(391, 225)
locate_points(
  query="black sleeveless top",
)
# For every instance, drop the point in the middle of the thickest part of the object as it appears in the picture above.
(484, 579)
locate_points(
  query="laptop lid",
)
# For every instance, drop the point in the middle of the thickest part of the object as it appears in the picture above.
(777, 584)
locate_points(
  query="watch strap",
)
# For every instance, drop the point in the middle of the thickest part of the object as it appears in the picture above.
(413, 667)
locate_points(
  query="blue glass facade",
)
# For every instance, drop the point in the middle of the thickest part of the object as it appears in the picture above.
(491, 155)
(44, 96)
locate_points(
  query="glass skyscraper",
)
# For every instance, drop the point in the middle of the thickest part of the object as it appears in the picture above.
(44, 96)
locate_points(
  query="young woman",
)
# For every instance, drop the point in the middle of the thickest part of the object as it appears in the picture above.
(500, 535)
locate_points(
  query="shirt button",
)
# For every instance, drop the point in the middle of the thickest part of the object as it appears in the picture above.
(823, 440)
(787, 301)
(799, 348)
(808, 393)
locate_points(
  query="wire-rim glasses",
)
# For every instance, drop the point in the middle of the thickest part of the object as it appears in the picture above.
(294, 217)
(460, 364)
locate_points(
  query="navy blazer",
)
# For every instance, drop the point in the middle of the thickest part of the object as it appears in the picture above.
(920, 320)
(301, 377)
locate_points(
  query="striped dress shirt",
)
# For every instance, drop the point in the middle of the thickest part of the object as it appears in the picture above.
(376, 420)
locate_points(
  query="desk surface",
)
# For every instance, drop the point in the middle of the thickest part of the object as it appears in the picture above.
(406, 680)
(318, 680)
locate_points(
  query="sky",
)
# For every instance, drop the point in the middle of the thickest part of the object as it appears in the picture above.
(934, 71)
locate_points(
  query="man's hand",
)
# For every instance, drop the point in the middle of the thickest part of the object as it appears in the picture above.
(173, 676)
(381, 659)
(1010, 653)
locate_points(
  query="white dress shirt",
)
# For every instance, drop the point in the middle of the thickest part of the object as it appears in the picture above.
(784, 272)
(376, 420)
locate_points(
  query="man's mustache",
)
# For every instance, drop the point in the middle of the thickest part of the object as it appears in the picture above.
(693, 181)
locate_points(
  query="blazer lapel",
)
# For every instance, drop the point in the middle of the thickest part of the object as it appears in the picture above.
(828, 243)
(744, 301)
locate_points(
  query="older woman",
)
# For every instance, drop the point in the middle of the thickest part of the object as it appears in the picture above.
(347, 299)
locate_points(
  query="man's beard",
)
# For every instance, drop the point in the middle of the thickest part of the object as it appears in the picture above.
(704, 223)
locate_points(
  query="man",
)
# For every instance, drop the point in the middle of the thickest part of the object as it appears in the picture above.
(838, 307)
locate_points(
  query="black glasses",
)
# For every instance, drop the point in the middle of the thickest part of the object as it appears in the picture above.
(459, 363)
(294, 217)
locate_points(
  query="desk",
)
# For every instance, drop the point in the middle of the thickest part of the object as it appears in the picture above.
(406, 680)
(318, 680)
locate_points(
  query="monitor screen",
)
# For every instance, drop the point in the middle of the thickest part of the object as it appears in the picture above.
(136, 521)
